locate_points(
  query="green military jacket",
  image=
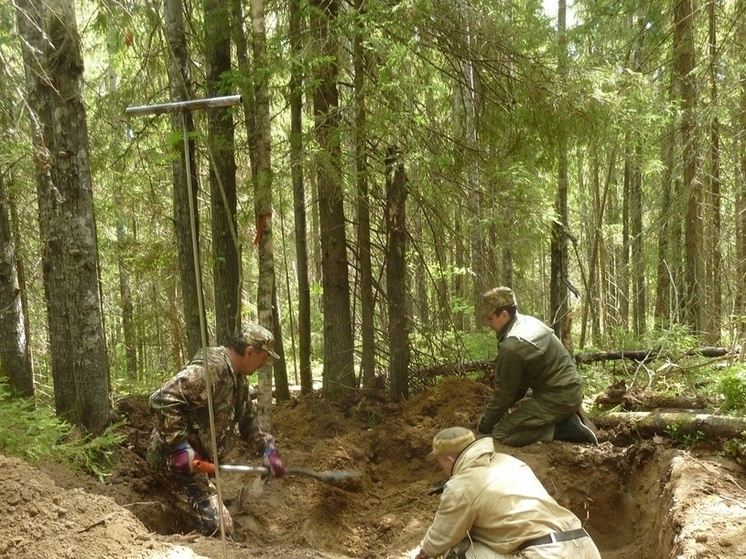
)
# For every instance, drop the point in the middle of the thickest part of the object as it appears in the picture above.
(181, 408)
(530, 356)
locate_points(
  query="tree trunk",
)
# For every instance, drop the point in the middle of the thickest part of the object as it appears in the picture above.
(339, 371)
(263, 198)
(714, 279)
(220, 145)
(367, 308)
(299, 198)
(282, 390)
(673, 424)
(15, 353)
(664, 284)
(123, 245)
(639, 314)
(741, 184)
(683, 63)
(54, 75)
(559, 273)
(180, 86)
(396, 275)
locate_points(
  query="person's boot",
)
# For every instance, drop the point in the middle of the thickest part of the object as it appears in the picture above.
(587, 422)
(574, 430)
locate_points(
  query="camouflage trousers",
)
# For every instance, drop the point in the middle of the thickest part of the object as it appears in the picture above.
(194, 496)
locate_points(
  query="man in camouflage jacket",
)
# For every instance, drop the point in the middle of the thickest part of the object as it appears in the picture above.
(180, 445)
(531, 356)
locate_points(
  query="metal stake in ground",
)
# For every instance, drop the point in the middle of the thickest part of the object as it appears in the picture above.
(184, 107)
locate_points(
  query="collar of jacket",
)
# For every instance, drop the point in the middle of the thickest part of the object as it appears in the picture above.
(477, 453)
(508, 326)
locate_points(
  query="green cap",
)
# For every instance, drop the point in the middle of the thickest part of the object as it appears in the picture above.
(259, 337)
(496, 298)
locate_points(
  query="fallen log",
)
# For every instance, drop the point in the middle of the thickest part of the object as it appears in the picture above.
(646, 355)
(673, 423)
(634, 399)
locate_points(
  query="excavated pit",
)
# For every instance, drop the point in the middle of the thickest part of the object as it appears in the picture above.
(642, 500)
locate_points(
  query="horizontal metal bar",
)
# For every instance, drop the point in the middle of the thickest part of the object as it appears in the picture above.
(194, 104)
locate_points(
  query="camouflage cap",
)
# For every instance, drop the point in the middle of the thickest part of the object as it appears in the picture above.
(496, 298)
(259, 337)
(451, 441)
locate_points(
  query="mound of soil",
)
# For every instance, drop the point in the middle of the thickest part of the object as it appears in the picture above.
(643, 499)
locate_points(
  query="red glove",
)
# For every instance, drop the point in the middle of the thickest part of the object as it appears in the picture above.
(185, 461)
(273, 461)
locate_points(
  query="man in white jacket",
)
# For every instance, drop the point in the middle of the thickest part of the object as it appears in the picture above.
(494, 507)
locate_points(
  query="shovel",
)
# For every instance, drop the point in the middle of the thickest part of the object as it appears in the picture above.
(327, 476)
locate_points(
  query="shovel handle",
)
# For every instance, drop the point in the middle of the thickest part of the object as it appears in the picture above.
(258, 470)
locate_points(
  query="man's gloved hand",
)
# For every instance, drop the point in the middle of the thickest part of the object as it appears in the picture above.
(482, 428)
(273, 461)
(203, 466)
(186, 461)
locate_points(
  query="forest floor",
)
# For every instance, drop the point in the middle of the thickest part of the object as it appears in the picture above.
(638, 498)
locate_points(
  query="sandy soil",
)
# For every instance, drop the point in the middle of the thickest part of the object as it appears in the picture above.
(638, 498)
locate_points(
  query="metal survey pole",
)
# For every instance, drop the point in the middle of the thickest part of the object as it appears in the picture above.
(184, 107)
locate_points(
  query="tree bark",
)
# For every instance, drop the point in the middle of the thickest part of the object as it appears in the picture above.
(282, 389)
(741, 183)
(15, 353)
(714, 181)
(339, 372)
(263, 199)
(673, 423)
(559, 272)
(54, 77)
(220, 145)
(180, 87)
(299, 198)
(367, 308)
(396, 275)
(664, 283)
(639, 311)
(683, 62)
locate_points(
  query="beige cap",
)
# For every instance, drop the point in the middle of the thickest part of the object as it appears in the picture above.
(259, 337)
(451, 442)
(496, 298)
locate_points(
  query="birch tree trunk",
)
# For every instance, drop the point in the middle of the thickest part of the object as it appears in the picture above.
(263, 199)
(54, 81)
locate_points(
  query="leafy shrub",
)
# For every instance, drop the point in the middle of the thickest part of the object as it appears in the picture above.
(733, 387)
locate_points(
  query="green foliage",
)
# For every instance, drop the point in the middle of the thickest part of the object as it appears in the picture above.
(732, 385)
(683, 440)
(736, 448)
(33, 434)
